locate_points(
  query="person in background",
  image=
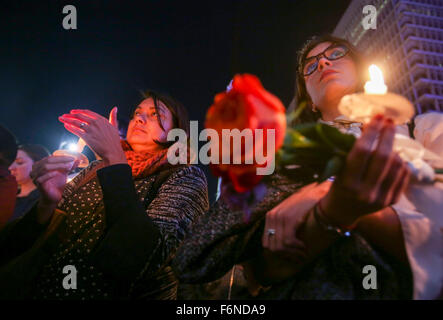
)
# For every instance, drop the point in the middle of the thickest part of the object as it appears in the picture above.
(28, 195)
(8, 184)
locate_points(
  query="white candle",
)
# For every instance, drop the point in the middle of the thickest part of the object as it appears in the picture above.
(376, 85)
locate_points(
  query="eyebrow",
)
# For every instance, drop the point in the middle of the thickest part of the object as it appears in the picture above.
(160, 108)
(330, 46)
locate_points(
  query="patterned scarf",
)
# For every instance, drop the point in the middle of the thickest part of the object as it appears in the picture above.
(145, 164)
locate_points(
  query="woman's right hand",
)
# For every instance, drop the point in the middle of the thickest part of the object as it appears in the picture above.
(373, 177)
(50, 175)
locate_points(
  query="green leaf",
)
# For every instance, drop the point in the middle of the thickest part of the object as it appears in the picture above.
(296, 113)
(294, 139)
(319, 128)
(340, 140)
(308, 130)
(332, 168)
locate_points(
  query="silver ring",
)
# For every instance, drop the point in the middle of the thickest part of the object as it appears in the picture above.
(271, 232)
(82, 124)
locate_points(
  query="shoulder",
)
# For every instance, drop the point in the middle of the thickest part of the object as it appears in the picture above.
(429, 129)
(429, 121)
(187, 173)
(184, 193)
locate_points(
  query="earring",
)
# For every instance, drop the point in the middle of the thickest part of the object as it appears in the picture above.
(314, 109)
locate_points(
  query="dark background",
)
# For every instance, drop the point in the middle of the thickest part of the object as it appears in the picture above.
(188, 49)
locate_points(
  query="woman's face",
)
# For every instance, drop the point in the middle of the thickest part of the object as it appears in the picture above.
(21, 167)
(143, 128)
(332, 79)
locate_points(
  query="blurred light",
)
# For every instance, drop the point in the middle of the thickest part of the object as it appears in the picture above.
(72, 147)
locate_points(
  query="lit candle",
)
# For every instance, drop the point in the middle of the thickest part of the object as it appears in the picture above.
(376, 99)
(75, 150)
(362, 106)
(377, 84)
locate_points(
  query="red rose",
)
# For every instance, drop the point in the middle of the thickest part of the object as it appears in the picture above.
(246, 106)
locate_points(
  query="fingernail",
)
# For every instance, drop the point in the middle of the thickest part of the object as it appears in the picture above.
(379, 117)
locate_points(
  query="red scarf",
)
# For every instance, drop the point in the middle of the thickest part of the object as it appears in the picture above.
(145, 164)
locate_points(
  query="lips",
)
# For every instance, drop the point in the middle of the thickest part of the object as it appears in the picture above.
(326, 72)
(138, 129)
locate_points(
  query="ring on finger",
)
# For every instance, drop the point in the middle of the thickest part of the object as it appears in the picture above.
(271, 232)
(82, 124)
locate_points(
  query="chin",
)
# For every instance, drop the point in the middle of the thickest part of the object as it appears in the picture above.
(135, 141)
(336, 88)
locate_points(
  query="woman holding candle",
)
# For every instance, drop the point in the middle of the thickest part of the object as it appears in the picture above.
(121, 216)
(330, 68)
(297, 241)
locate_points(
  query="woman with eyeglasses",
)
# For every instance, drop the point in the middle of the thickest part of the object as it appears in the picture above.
(304, 241)
(330, 68)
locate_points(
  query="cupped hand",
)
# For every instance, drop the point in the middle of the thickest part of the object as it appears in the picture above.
(50, 175)
(374, 176)
(100, 134)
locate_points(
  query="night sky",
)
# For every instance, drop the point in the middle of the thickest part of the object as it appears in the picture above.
(188, 49)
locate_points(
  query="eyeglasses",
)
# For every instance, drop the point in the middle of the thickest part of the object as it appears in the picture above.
(333, 52)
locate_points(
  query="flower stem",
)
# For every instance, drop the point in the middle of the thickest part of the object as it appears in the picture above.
(296, 113)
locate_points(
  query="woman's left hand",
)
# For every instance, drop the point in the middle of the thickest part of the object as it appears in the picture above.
(284, 253)
(99, 134)
(282, 222)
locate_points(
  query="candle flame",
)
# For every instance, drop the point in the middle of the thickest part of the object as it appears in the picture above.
(375, 73)
(376, 85)
(72, 147)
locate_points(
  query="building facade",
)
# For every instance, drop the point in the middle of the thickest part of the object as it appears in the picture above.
(407, 45)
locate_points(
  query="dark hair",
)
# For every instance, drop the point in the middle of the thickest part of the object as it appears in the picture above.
(35, 151)
(8, 147)
(301, 93)
(180, 117)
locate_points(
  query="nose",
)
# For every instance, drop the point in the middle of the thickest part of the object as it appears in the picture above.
(12, 167)
(323, 62)
(140, 119)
